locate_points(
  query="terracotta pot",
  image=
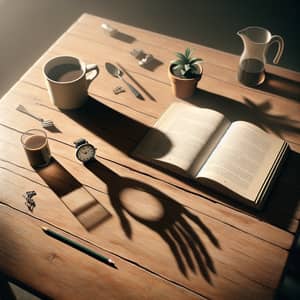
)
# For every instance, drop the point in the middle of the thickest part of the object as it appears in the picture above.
(183, 87)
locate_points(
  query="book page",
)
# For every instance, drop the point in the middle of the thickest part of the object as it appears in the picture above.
(192, 133)
(243, 159)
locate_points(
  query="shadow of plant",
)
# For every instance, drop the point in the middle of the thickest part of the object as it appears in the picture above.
(249, 111)
(276, 123)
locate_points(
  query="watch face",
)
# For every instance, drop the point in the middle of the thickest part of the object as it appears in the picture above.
(85, 152)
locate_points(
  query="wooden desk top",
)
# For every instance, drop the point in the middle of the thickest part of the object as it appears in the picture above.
(190, 243)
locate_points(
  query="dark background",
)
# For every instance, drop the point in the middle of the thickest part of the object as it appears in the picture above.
(29, 27)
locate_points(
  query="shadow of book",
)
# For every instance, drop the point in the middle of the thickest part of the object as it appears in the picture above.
(283, 207)
(84, 206)
(142, 202)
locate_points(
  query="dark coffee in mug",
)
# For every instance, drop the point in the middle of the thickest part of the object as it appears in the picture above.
(65, 72)
(37, 150)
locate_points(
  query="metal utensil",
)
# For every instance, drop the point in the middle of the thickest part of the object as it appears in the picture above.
(44, 123)
(116, 72)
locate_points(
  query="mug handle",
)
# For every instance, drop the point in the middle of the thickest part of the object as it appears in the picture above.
(279, 40)
(92, 71)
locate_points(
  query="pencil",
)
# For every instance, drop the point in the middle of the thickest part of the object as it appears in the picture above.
(79, 247)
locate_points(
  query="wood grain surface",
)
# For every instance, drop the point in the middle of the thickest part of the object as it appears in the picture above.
(170, 238)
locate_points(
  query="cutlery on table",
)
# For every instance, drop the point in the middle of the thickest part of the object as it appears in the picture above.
(44, 123)
(118, 73)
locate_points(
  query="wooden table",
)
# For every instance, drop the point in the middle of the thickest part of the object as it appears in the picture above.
(190, 243)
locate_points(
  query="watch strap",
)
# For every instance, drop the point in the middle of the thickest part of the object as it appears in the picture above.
(79, 142)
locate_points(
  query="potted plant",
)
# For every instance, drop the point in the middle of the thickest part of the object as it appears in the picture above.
(184, 74)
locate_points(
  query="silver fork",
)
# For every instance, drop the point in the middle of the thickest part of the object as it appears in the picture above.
(44, 123)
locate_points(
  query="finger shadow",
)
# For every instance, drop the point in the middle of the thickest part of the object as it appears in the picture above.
(198, 250)
(161, 214)
(79, 201)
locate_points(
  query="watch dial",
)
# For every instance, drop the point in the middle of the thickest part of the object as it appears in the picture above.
(86, 152)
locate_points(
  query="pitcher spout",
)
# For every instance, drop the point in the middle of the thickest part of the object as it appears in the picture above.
(244, 35)
(242, 32)
(255, 34)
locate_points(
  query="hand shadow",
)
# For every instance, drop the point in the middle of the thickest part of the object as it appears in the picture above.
(125, 133)
(88, 211)
(162, 214)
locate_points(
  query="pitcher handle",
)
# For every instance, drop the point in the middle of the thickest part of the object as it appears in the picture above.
(92, 72)
(277, 39)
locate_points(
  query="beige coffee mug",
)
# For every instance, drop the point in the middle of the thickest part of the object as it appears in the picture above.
(68, 79)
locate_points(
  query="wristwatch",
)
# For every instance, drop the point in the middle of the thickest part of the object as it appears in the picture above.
(84, 150)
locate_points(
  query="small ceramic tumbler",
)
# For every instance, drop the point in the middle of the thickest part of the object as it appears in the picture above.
(68, 79)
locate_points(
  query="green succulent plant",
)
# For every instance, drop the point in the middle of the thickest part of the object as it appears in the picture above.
(186, 65)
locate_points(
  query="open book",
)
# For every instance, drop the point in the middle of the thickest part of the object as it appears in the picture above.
(237, 159)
